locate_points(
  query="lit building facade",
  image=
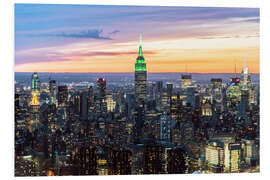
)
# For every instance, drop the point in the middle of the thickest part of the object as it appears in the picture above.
(216, 87)
(140, 77)
(165, 127)
(101, 105)
(53, 92)
(214, 156)
(62, 95)
(35, 84)
(232, 157)
(34, 112)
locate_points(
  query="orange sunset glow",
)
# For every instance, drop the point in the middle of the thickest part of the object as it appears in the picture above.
(201, 45)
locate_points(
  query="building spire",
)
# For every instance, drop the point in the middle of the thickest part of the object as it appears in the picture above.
(140, 47)
(140, 38)
(245, 69)
(245, 62)
(235, 69)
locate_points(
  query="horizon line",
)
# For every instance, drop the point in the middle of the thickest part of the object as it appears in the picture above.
(133, 72)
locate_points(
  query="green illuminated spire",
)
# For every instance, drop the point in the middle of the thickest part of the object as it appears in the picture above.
(140, 47)
(140, 63)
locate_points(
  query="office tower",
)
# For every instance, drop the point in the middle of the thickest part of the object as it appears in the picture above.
(245, 90)
(232, 157)
(214, 156)
(35, 84)
(53, 92)
(250, 152)
(190, 97)
(86, 159)
(153, 158)
(131, 103)
(102, 164)
(243, 106)
(140, 77)
(17, 106)
(169, 90)
(101, 87)
(34, 112)
(120, 161)
(186, 82)
(83, 106)
(206, 108)
(91, 102)
(62, 95)
(110, 103)
(159, 86)
(165, 127)
(176, 161)
(139, 122)
(165, 102)
(101, 105)
(17, 101)
(216, 88)
(233, 93)
(176, 108)
(245, 77)
(252, 97)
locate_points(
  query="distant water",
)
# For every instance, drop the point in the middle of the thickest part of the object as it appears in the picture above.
(126, 77)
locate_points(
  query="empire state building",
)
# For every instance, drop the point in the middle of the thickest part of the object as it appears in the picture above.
(140, 77)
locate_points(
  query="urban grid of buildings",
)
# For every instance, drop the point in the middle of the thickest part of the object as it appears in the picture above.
(145, 128)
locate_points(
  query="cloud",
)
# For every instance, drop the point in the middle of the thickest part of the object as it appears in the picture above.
(92, 34)
(114, 32)
(256, 20)
(88, 34)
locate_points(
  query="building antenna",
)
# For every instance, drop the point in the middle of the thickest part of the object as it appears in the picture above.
(186, 68)
(245, 61)
(234, 67)
(140, 38)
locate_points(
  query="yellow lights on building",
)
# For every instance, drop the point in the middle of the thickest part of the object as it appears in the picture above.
(34, 100)
(102, 167)
(110, 103)
(102, 162)
(206, 108)
(235, 161)
(214, 156)
(232, 157)
(103, 171)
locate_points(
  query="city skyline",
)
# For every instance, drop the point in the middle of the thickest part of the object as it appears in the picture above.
(175, 39)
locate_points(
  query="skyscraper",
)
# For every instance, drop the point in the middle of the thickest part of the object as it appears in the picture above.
(62, 95)
(165, 127)
(35, 84)
(216, 88)
(186, 82)
(169, 90)
(34, 112)
(53, 92)
(91, 100)
(140, 77)
(83, 105)
(245, 77)
(101, 105)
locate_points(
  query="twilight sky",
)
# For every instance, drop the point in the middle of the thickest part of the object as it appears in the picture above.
(88, 38)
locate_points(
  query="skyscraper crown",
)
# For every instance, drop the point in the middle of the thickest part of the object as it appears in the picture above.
(35, 100)
(140, 62)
